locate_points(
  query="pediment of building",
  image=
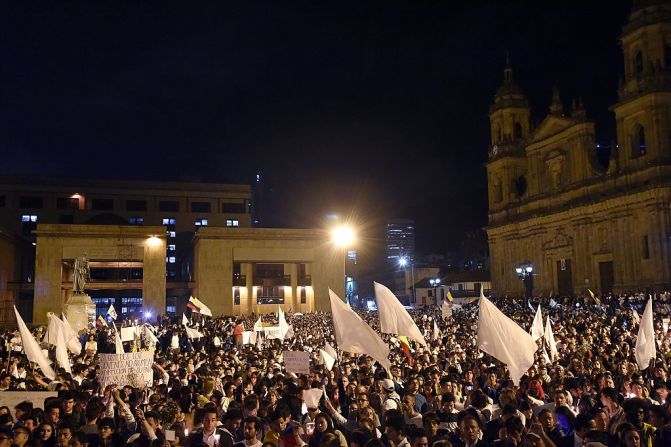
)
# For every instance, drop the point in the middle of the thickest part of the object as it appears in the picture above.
(551, 125)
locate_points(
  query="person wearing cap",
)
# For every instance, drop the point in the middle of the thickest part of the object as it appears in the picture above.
(392, 401)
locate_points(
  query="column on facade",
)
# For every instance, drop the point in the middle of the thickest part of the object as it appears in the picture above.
(153, 282)
(247, 270)
(663, 228)
(293, 272)
(48, 280)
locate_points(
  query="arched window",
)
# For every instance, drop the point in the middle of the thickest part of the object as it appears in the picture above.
(638, 62)
(498, 134)
(639, 145)
(518, 130)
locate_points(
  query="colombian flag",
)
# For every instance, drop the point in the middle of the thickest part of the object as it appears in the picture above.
(198, 306)
(405, 345)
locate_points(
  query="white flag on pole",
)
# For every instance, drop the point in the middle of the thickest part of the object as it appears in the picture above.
(118, 345)
(329, 349)
(645, 342)
(436, 331)
(327, 359)
(112, 312)
(503, 339)
(550, 339)
(537, 325)
(185, 321)
(62, 350)
(394, 319)
(354, 335)
(282, 323)
(447, 309)
(32, 348)
(74, 345)
(258, 326)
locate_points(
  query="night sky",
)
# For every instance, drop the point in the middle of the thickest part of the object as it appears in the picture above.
(368, 109)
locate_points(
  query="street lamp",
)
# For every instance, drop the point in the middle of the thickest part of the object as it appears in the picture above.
(343, 237)
(525, 272)
(434, 283)
(403, 262)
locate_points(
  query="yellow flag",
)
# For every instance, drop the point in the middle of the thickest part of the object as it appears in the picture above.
(596, 300)
(449, 296)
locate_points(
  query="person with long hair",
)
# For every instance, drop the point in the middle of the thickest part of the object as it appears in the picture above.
(324, 425)
(44, 435)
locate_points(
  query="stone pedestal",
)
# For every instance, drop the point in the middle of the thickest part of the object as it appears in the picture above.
(80, 312)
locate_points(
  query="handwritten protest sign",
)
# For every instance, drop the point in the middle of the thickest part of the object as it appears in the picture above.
(129, 333)
(134, 369)
(297, 361)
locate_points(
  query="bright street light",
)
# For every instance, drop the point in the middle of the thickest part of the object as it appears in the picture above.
(403, 261)
(342, 236)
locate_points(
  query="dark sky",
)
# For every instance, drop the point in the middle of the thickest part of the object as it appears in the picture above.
(370, 109)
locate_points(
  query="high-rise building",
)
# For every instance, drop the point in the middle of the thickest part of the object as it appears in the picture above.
(559, 220)
(400, 240)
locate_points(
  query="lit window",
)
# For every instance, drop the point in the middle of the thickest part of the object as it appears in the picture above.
(29, 218)
(201, 222)
(173, 234)
(232, 223)
(172, 247)
(171, 309)
(169, 221)
(236, 223)
(171, 259)
(136, 220)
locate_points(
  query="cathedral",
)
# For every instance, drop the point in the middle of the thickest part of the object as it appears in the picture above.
(560, 221)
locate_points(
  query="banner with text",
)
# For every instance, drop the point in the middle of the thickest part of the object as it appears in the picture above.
(134, 369)
(297, 361)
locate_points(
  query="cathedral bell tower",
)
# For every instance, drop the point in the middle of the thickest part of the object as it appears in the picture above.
(643, 110)
(509, 118)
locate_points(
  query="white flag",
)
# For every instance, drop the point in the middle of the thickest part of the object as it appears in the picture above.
(112, 313)
(327, 359)
(258, 326)
(645, 342)
(283, 325)
(62, 350)
(74, 345)
(354, 335)
(329, 349)
(32, 348)
(530, 306)
(394, 319)
(192, 333)
(436, 331)
(553, 303)
(550, 339)
(447, 309)
(503, 339)
(118, 345)
(185, 321)
(537, 326)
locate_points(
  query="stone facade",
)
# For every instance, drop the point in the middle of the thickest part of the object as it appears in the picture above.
(551, 202)
(59, 245)
(219, 250)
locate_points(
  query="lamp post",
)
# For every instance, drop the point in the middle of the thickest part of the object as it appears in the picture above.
(434, 283)
(343, 237)
(525, 272)
(403, 262)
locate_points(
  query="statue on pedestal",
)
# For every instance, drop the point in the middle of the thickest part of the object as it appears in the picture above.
(80, 309)
(82, 274)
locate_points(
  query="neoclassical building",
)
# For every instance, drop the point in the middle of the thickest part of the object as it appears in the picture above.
(556, 214)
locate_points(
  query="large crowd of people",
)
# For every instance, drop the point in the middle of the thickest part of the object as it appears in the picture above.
(218, 391)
